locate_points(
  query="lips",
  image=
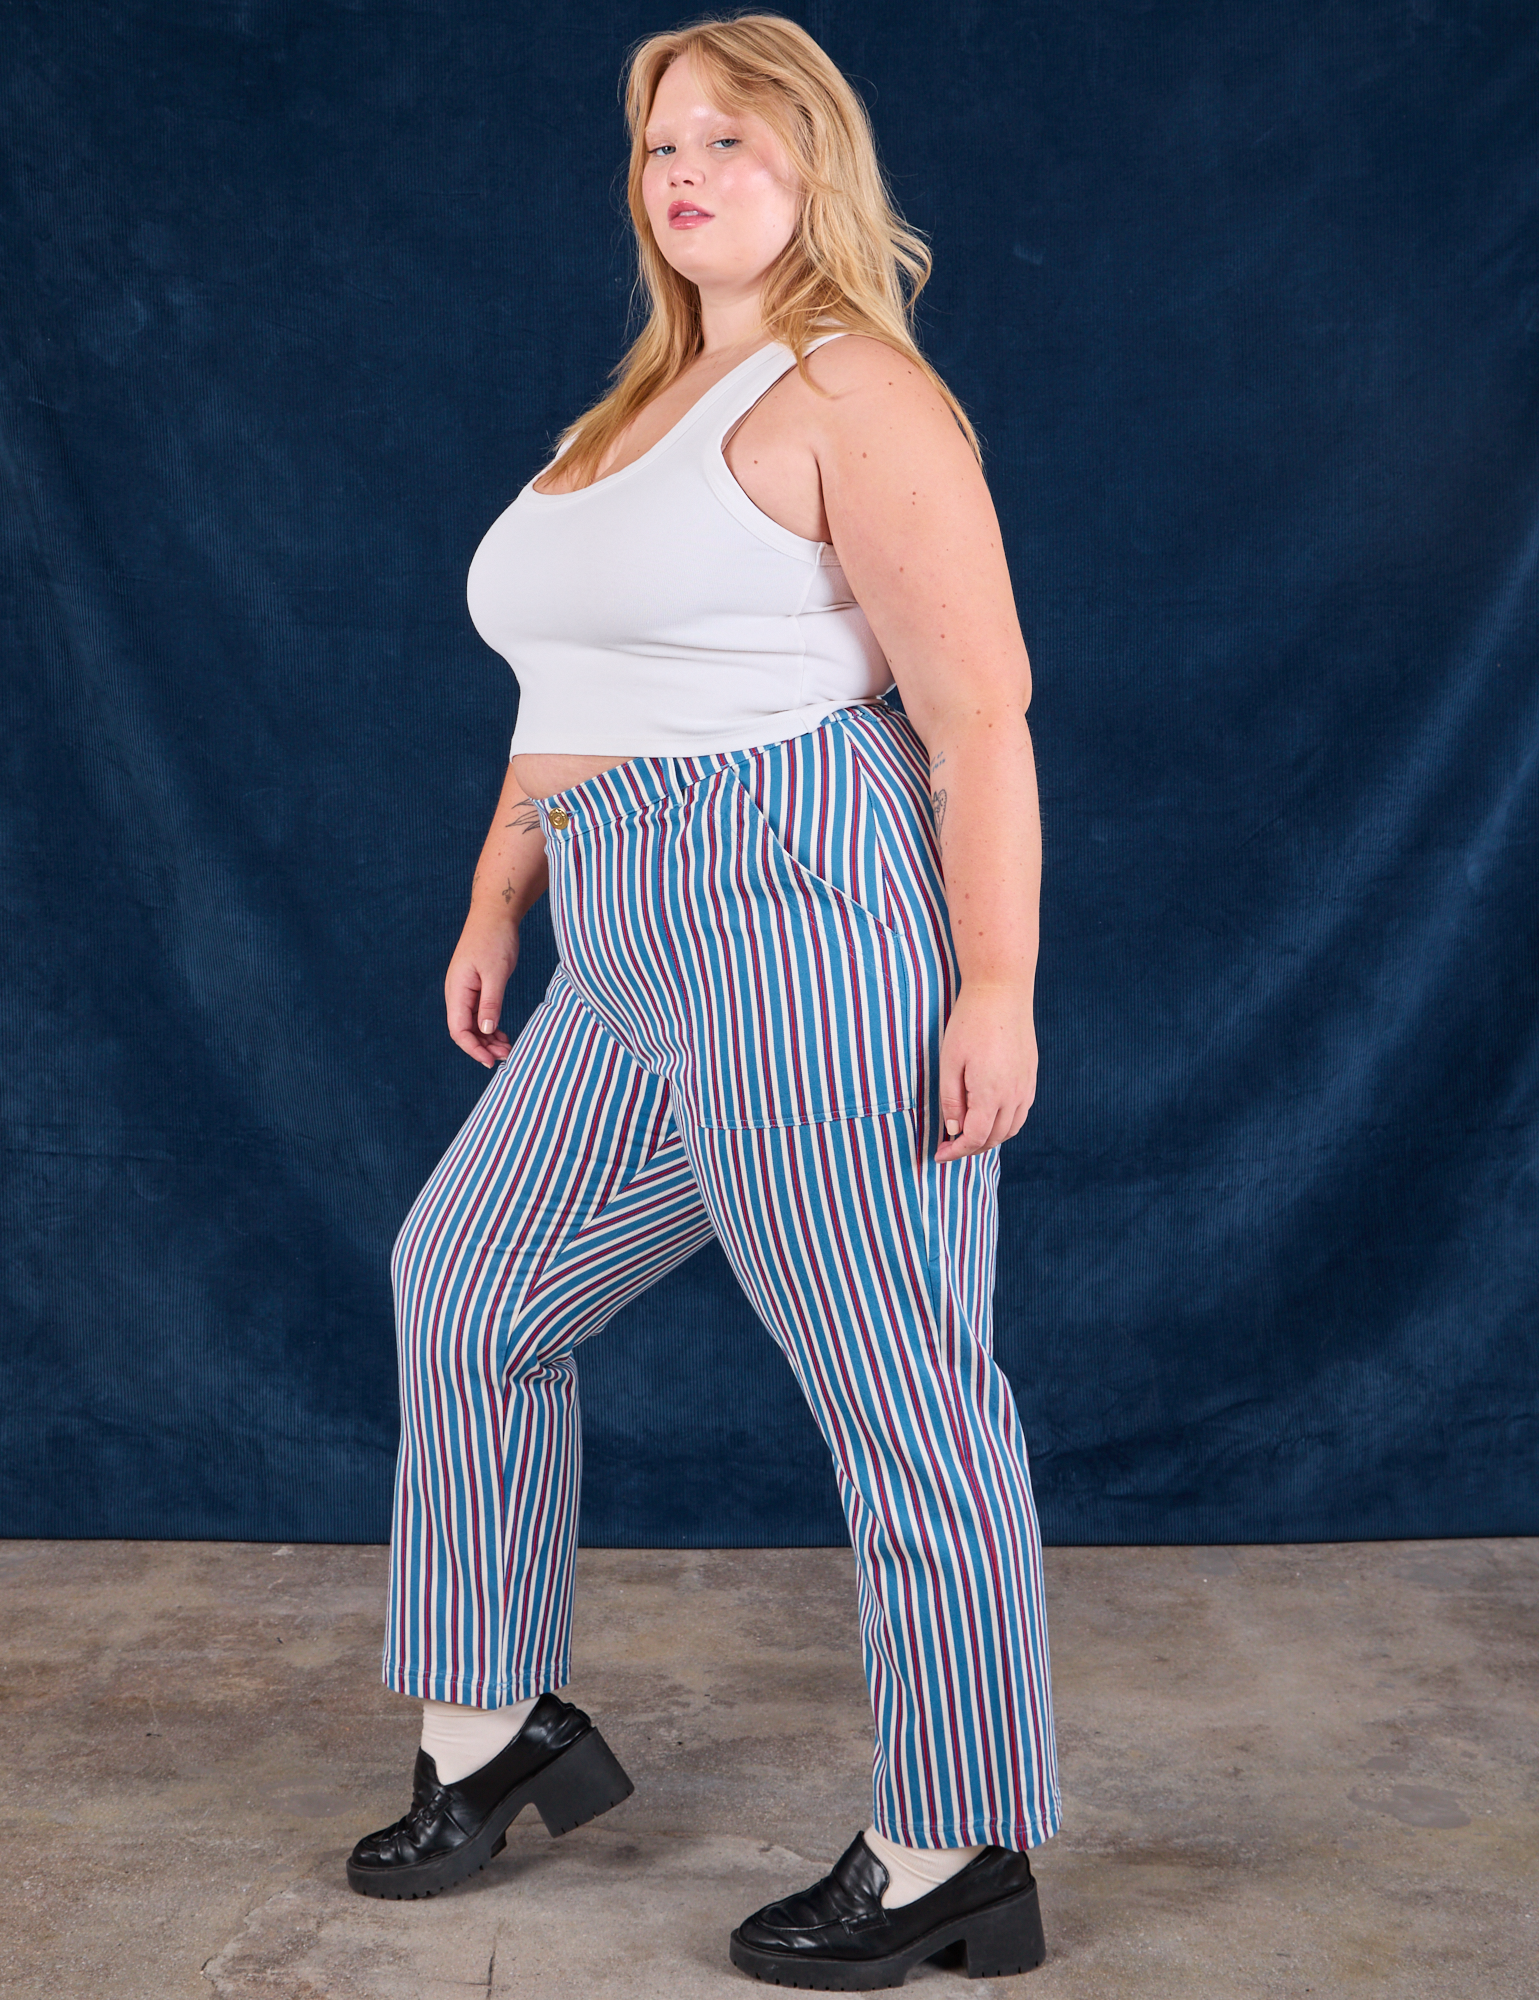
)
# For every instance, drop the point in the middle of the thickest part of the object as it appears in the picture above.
(685, 213)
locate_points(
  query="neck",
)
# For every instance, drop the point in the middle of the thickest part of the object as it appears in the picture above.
(730, 321)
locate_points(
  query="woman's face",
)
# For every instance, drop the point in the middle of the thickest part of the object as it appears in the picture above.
(720, 191)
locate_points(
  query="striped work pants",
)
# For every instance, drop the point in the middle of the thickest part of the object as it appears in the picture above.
(741, 1040)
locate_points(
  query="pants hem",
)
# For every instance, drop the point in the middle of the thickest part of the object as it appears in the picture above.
(973, 1833)
(475, 1694)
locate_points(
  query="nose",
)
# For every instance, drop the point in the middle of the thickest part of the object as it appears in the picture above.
(682, 172)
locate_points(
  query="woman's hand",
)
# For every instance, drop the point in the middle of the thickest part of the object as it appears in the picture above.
(510, 875)
(988, 1068)
(478, 976)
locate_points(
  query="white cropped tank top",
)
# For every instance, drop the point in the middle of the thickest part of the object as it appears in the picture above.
(659, 613)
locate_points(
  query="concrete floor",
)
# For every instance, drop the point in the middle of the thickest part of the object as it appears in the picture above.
(1287, 1771)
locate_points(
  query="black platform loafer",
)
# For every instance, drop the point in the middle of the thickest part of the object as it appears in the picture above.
(558, 1763)
(836, 1937)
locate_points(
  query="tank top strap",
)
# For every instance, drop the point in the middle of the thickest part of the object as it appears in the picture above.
(758, 377)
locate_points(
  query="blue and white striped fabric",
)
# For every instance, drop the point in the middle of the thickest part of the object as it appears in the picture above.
(741, 1040)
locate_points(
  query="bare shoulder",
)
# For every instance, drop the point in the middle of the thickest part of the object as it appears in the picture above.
(868, 385)
(860, 361)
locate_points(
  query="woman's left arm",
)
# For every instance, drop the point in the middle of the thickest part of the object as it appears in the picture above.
(913, 524)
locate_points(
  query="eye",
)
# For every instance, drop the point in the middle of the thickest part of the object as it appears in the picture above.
(659, 149)
(726, 142)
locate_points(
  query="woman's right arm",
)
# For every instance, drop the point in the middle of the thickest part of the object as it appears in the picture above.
(510, 876)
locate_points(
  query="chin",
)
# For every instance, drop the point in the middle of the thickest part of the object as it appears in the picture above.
(699, 270)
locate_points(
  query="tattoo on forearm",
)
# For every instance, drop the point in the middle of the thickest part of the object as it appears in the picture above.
(508, 891)
(526, 817)
(938, 797)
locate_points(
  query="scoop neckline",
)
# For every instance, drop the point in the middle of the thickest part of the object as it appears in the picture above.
(695, 410)
(668, 435)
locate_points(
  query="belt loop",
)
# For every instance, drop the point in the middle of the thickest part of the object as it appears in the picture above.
(681, 774)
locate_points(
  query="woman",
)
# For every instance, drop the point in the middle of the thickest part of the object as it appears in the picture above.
(797, 937)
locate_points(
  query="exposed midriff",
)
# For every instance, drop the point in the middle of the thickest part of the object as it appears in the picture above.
(539, 773)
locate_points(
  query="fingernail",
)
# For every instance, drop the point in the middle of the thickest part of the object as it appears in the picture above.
(952, 1128)
(487, 1027)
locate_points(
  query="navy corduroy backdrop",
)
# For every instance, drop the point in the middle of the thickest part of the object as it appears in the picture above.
(1244, 299)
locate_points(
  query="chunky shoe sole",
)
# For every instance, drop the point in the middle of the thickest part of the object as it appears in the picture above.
(584, 1781)
(997, 1940)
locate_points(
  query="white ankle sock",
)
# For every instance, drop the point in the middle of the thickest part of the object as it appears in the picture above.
(460, 1740)
(913, 1872)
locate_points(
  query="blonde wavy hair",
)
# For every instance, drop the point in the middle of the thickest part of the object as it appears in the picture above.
(853, 261)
